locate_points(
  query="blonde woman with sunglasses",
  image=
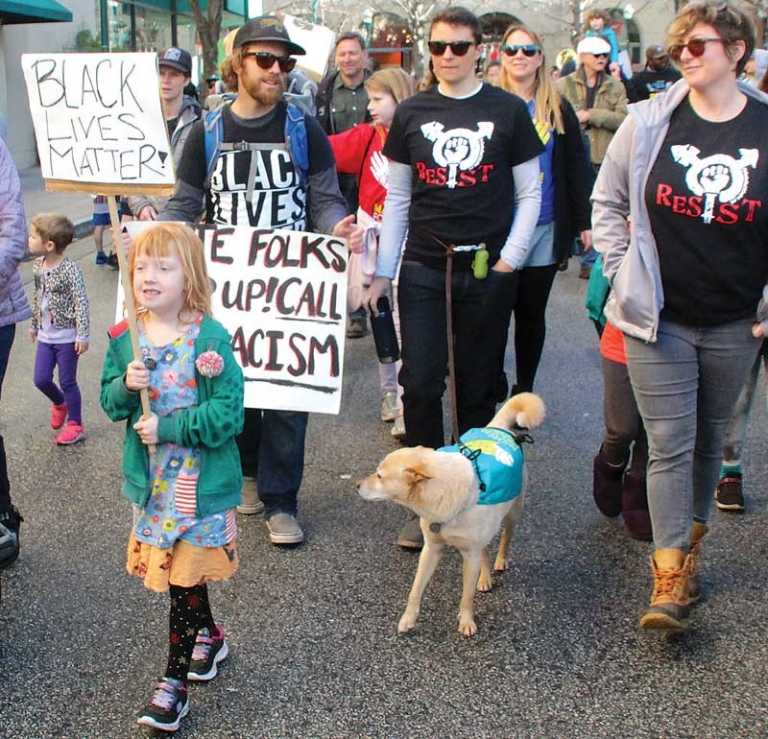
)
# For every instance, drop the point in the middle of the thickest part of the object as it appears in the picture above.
(565, 184)
(679, 216)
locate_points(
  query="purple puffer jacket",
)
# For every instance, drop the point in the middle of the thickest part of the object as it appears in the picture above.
(14, 306)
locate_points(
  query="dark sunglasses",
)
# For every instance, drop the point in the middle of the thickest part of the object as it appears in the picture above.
(458, 48)
(601, 55)
(696, 47)
(527, 49)
(266, 60)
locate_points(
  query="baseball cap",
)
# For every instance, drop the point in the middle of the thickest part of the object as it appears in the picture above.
(266, 28)
(656, 52)
(593, 45)
(177, 59)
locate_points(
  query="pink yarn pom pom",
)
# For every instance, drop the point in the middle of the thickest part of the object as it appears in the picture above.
(210, 364)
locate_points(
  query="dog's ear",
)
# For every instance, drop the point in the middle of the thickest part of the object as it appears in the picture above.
(417, 473)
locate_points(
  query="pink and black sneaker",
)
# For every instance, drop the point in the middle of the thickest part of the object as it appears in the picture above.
(167, 706)
(210, 649)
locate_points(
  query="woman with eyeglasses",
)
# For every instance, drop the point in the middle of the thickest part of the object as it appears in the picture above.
(681, 218)
(565, 184)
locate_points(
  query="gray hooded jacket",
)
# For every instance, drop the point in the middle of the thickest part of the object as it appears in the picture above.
(14, 306)
(630, 257)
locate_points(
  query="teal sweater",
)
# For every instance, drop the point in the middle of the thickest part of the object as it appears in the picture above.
(210, 426)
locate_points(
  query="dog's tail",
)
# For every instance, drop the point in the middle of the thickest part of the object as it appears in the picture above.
(524, 409)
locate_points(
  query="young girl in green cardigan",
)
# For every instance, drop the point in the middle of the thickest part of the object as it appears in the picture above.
(185, 492)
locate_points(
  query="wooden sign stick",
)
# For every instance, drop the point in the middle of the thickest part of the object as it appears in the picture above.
(130, 305)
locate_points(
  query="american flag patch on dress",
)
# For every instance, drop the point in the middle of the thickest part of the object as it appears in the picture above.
(186, 494)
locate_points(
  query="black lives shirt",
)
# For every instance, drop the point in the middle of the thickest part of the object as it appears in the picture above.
(461, 152)
(706, 197)
(278, 198)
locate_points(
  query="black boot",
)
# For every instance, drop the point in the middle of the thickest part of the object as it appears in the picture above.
(634, 507)
(606, 485)
(10, 522)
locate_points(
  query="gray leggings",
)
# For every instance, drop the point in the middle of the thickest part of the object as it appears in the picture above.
(686, 385)
(736, 434)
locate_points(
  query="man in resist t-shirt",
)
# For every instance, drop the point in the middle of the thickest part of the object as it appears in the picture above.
(464, 172)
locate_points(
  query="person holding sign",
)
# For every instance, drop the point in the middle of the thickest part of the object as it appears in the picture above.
(264, 163)
(463, 174)
(184, 532)
(180, 111)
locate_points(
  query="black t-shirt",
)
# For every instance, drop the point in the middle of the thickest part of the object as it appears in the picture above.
(461, 152)
(171, 124)
(649, 82)
(705, 197)
(279, 198)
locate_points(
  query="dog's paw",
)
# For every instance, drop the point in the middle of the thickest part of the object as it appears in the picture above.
(407, 622)
(484, 583)
(500, 565)
(467, 626)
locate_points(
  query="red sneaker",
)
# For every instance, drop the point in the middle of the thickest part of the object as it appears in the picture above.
(71, 434)
(58, 415)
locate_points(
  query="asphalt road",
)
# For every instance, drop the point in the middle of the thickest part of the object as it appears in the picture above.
(312, 631)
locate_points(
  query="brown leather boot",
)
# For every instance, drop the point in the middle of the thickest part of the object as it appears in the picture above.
(634, 507)
(670, 603)
(606, 485)
(698, 532)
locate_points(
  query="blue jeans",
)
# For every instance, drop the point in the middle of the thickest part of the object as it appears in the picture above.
(6, 341)
(686, 385)
(481, 315)
(272, 450)
(736, 433)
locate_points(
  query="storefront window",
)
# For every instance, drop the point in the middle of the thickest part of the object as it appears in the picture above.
(119, 25)
(153, 29)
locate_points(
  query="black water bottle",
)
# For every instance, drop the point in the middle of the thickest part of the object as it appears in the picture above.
(383, 327)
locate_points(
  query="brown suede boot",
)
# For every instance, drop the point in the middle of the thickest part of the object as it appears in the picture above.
(670, 603)
(634, 507)
(606, 485)
(698, 531)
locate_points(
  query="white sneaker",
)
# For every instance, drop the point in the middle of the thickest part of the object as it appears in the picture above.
(389, 407)
(250, 503)
(398, 428)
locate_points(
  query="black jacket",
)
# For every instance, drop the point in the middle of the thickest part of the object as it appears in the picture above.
(323, 101)
(574, 178)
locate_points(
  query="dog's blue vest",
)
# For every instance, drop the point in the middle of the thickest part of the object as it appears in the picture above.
(498, 462)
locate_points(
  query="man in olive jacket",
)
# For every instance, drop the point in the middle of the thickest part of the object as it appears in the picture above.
(600, 102)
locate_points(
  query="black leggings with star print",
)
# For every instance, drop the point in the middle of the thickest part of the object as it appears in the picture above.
(190, 612)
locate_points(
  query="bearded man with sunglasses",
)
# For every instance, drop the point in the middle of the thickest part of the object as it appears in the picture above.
(464, 174)
(255, 179)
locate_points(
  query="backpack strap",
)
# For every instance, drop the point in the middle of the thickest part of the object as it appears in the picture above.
(213, 133)
(297, 141)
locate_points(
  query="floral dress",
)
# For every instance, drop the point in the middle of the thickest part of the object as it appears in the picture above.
(170, 515)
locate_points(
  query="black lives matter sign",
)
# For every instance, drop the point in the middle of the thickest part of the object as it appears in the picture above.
(98, 119)
(282, 295)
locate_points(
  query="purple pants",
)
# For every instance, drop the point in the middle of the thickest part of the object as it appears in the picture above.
(64, 355)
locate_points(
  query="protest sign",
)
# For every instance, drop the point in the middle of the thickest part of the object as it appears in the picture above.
(282, 297)
(317, 41)
(99, 123)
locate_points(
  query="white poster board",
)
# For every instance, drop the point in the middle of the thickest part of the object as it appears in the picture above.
(98, 122)
(282, 295)
(316, 40)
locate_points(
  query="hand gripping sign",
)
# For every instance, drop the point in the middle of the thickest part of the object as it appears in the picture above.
(282, 297)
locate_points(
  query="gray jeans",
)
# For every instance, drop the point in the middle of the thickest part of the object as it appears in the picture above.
(736, 434)
(686, 385)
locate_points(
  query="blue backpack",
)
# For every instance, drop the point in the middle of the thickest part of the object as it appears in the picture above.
(296, 142)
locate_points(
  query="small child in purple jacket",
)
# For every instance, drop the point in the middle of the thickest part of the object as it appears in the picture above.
(59, 322)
